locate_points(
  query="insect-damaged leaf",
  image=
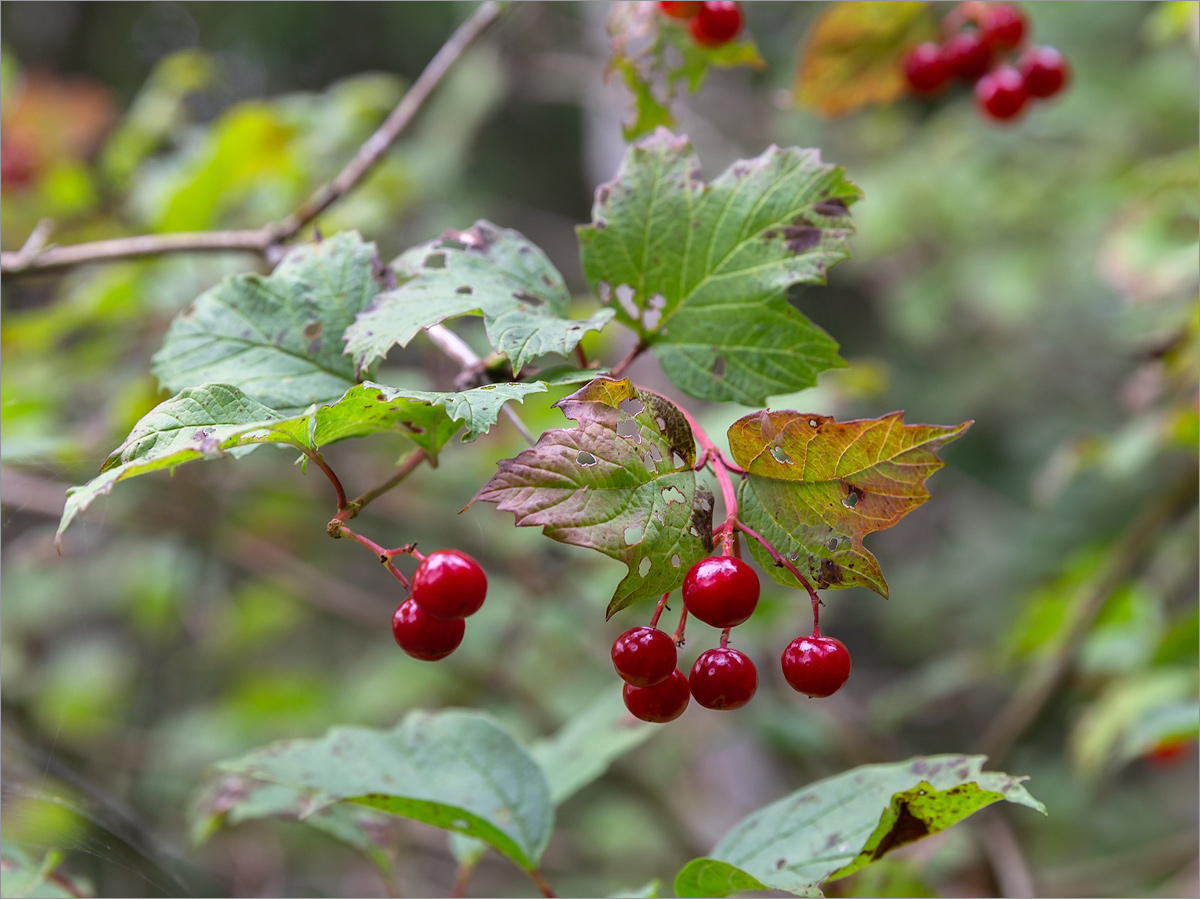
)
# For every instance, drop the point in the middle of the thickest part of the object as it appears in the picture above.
(816, 487)
(621, 483)
(492, 270)
(702, 272)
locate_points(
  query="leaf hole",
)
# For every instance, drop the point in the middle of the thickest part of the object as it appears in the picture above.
(625, 298)
(794, 556)
(435, 260)
(676, 561)
(661, 422)
(678, 461)
(719, 367)
(812, 423)
(644, 566)
(833, 543)
(851, 499)
(780, 455)
(673, 495)
(585, 458)
(633, 535)
(629, 429)
(648, 461)
(631, 406)
(655, 453)
(465, 289)
(651, 319)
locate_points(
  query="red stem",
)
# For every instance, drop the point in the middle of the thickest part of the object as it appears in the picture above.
(662, 604)
(780, 559)
(351, 509)
(542, 885)
(339, 529)
(725, 637)
(678, 635)
(619, 369)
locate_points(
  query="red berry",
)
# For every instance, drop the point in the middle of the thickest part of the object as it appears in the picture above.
(449, 585)
(717, 23)
(661, 703)
(1044, 70)
(967, 55)
(1168, 751)
(644, 656)
(679, 9)
(424, 637)
(925, 68)
(723, 679)
(1002, 26)
(817, 666)
(721, 591)
(18, 166)
(1001, 94)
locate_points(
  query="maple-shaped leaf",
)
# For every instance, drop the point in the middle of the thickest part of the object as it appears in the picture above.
(621, 483)
(816, 487)
(702, 272)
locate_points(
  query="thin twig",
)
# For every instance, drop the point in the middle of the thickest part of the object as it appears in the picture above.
(542, 885)
(618, 370)
(462, 878)
(355, 506)
(262, 240)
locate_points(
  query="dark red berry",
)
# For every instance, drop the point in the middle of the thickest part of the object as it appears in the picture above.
(925, 69)
(966, 55)
(723, 679)
(18, 165)
(721, 591)
(644, 656)
(661, 703)
(817, 666)
(449, 585)
(717, 23)
(1001, 94)
(424, 637)
(1002, 26)
(679, 9)
(1044, 70)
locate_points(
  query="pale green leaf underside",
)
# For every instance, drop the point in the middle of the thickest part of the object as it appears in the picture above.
(485, 269)
(701, 272)
(276, 338)
(837, 825)
(620, 483)
(454, 769)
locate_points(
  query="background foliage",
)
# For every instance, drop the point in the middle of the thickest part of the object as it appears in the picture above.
(1040, 279)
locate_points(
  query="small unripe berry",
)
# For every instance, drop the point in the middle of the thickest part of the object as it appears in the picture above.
(723, 679)
(449, 585)
(424, 637)
(816, 666)
(644, 656)
(661, 703)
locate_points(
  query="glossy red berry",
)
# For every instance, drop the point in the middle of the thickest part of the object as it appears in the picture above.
(817, 666)
(661, 703)
(967, 55)
(721, 591)
(723, 679)
(1002, 26)
(679, 9)
(644, 656)
(717, 23)
(424, 637)
(925, 69)
(1001, 94)
(1044, 70)
(449, 585)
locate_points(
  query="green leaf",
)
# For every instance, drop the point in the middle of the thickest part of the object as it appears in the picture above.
(621, 483)
(456, 770)
(25, 875)
(276, 338)
(838, 825)
(702, 272)
(498, 272)
(218, 419)
(816, 487)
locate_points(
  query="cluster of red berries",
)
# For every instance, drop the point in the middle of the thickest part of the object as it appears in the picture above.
(712, 23)
(982, 40)
(448, 587)
(721, 591)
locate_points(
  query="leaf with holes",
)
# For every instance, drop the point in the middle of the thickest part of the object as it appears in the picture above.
(838, 825)
(485, 269)
(816, 487)
(218, 419)
(456, 770)
(621, 483)
(854, 53)
(702, 272)
(278, 338)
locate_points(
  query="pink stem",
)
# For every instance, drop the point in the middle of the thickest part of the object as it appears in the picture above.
(662, 604)
(339, 529)
(725, 638)
(678, 635)
(779, 559)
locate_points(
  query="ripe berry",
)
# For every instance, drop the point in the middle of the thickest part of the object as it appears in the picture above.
(449, 585)
(817, 666)
(679, 9)
(1002, 26)
(1001, 94)
(661, 703)
(424, 637)
(967, 55)
(644, 656)
(1044, 70)
(723, 679)
(925, 69)
(721, 591)
(717, 23)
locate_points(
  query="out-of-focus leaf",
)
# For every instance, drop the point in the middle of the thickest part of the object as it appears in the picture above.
(27, 876)
(818, 486)
(838, 825)
(701, 272)
(453, 769)
(498, 272)
(854, 52)
(621, 483)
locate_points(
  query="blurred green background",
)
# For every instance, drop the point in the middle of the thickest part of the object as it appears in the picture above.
(1040, 279)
